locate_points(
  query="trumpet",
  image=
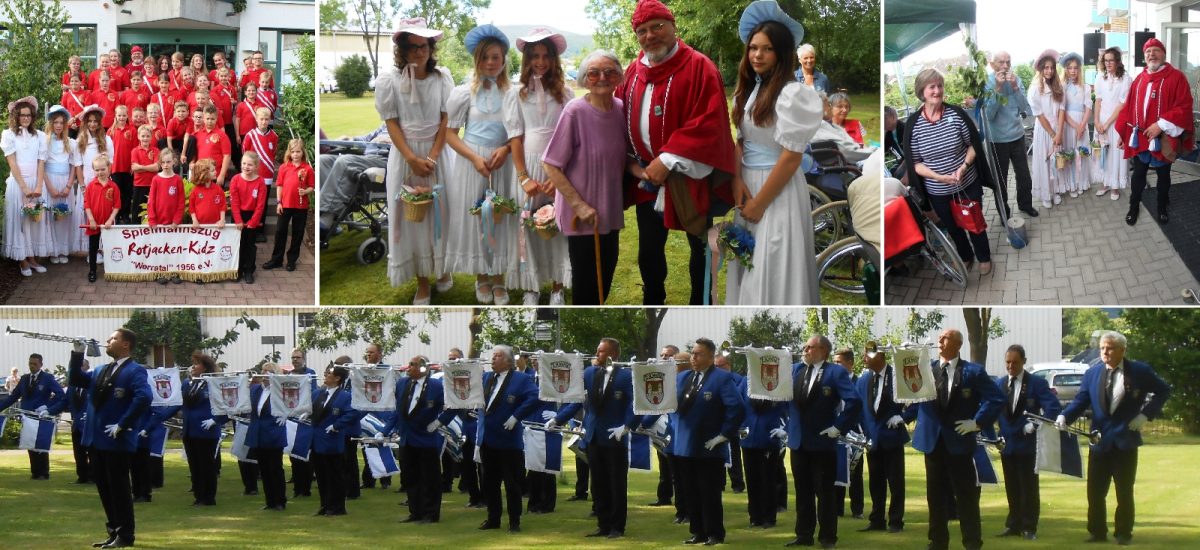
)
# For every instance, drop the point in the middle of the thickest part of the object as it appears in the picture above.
(560, 429)
(998, 443)
(454, 442)
(857, 444)
(873, 347)
(660, 441)
(377, 441)
(1093, 436)
(93, 345)
(15, 412)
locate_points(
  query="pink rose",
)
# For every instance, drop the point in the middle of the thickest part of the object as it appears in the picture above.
(544, 215)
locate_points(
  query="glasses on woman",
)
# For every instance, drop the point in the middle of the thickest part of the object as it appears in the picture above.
(24, 115)
(608, 74)
(416, 47)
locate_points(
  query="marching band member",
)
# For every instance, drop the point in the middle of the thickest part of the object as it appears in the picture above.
(885, 429)
(266, 438)
(967, 399)
(386, 417)
(1123, 395)
(607, 420)
(373, 356)
(468, 468)
(845, 358)
(1019, 456)
(737, 478)
(38, 392)
(201, 431)
(77, 405)
(765, 432)
(542, 487)
(709, 413)
(508, 395)
(666, 488)
(332, 418)
(814, 426)
(145, 470)
(117, 395)
(302, 471)
(419, 413)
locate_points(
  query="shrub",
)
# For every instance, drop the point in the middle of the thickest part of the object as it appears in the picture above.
(353, 76)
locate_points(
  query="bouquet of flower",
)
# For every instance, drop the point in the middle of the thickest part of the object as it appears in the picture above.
(500, 207)
(542, 221)
(416, 203)
(60, 210)
(1085, 151)
(33, 210)
(738, 241)
(1063, 158)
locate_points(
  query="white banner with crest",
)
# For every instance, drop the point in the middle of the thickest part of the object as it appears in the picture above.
(768, 373)
(291, 395)
(654, 389)
(229, 394)
(560, 377)
(139, 253)
(373, 388)
(914, 376)
(165, 388)
(462, 384)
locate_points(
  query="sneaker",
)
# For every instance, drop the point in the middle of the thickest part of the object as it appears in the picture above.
(63, 259)
(445, 283)
(1102, 191)
(500, 295)
(1074, 194)
(175, 279)
(532, 298)
(1047, 204)
(558, 298)
(1057, 198)
(161, 279)
(38, 268)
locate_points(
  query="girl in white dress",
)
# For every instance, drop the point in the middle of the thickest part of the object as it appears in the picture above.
(530, 114)
(92, 142)
(1078, 94)
(777, 117)
(476, 244)
(411, 99)
(1046, 103)
(24, 148)
(60, 179)
(1111, 90)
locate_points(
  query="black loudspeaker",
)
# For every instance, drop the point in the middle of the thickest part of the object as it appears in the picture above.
(1139, 40)
(1093, 44)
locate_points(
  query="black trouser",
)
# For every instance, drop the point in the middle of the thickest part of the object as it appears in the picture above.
(39, 465)
(582, 252)
(502, 465)
(777, 461)
(331, 482)
(886, 468)
(93, 249)
(681, 510)
(1014, 152)
(112, 483)
(652, 258)
(270, 466)
(139, 473)
(814, 473)
(82, 469)
(235, 147)
(702, 495)
(1021, 488)
(760, 486)
(1138, 182)
(970, 246)
(945, 472)
(350, 469)
(124, 181)
(582, 473)
(202, 464)
(856, 493)
(1119, 467)
(424, 482)
(610, 483)
(248, 254)
(449, 472)
(140, 195)
(297, 217)
(543, 493)
(737, 479)
(302, 477)
(665, 488)
(249, 475)
(156, 472)
(469, 470)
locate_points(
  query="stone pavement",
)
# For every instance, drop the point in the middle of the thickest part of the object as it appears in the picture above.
(67, 285)
(1081, 252)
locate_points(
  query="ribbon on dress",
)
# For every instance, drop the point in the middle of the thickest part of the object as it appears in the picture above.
(487, 222)
(526, 212)
(713, 258)
(539, 91)
(408, 76)
(437, 213)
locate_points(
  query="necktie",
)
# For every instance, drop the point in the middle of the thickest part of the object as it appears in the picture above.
(942, 378)
(491, 390)
(407, 399)
(1012, 397)
(875, 388)
(1109, 383)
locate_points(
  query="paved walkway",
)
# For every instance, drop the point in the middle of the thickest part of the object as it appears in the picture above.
(1079, 253)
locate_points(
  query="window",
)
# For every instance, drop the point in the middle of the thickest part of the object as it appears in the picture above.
(84, 37)
(304, 320)
(280, 50)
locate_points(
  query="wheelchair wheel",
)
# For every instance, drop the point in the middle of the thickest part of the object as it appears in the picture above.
(817, 197)
(840, 267)
(828, 222)
(371, 250)
(940, 252)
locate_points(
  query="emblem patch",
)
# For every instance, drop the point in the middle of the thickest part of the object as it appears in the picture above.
(226, 252)
(511, 399)
(171, 190)
(827, 390)
(911, 372)
(966, 393)
(653, 383)
(708, 396)
(560, 375)
(461, 379)
(337, 411)
(373, 387)
(119, 393)
(768, 372)
(618, 395)
(116, 255)
(230, 391)
(290, 391)
(162, 386)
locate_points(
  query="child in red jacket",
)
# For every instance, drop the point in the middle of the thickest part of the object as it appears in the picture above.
(248, 200)
(101, 202)
(294, 182)
(143, 163)
(166, 204)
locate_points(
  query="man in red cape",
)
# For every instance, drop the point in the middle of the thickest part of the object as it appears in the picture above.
(680, 146)
(1155, 126)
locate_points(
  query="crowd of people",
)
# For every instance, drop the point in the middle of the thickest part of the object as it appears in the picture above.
(116, 146)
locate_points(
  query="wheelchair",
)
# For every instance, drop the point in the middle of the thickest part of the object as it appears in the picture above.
(367, 209)
(828, 174)
(912, 235)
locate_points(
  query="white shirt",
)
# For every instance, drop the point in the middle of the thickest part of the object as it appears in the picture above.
(812, 376)
(949, 374)
(882, 374)
(607, 377)
(1016, 392)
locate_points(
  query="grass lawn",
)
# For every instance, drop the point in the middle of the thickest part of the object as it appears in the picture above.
(58, 514)
(345, 281)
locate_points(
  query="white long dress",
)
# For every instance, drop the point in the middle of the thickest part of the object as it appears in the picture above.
(1077, 175)
(1111, 93)
(79, 242)
(415, 249)
(23, 237)
(61, 162)
(1045, 174)
(540, 261)
(785, 266)
(469, 249)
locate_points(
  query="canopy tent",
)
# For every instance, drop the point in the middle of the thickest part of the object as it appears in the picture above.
(909, 25)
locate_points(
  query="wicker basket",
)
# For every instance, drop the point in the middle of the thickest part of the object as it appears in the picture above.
(35, 218)
(1060, 161)
(546, 232)
(415, 211)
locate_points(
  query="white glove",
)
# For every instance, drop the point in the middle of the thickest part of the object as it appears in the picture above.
(330, 429)
(78, 345)
(779, 433)
(1061, 422)
(208, 423)
(433, 426)
(302, 417)
(548, 415)
(964, 427)
(279, 421)
(143, 433)
(510, 423)
(112, 430)
(1030, 428)
(831, 432)
(710, 444)
(895, 421)
(1138, 421)
(618, 433)
(379, 437)
(42, 410)
(551, 424)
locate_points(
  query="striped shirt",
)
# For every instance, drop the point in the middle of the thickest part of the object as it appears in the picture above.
(942, 147)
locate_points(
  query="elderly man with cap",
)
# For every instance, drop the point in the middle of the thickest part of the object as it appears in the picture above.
(683, 155)
(1155, 126)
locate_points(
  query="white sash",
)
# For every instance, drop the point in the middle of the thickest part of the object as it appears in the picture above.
(267, 158)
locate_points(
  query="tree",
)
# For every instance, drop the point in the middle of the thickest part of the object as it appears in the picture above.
(296, 98)
(372, 17)
(763, 329)
(1078, 325)
(333, 328)
(613, 30)
(1169, 340)
(333, 15)
(852, 328)
(919, 325)
(982, 327)
(353, 76)
(177, 332)
(581, 329)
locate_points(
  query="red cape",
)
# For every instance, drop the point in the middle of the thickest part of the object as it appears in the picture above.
(688, 117)
(1170, 99)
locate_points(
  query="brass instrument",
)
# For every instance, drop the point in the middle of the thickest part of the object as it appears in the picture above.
(857, 443)
(998, 442)
(454, 442)
(93, 345)
(559, 429)
(660, 441)
(1093, 436)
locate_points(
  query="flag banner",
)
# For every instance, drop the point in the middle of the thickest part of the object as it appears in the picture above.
(229, 394)
(3, 423)
(654, 387)
(158, 442)
(1058, 452)
(455, 427)
(238, 448)
(985, 473)
(915, 383)
(290, 428)
(373, 388)
(462, 385)
(291, 395)
(381, 460)
(140, 253)
(639, 452)
(560, 377)
(768, 373)
(302, 442)
(165, 388)
(37, 434)
(371, 425)
(543, 451)
(843, 466)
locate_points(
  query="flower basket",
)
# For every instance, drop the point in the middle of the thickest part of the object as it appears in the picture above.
(738, 242)
(542, 222)
(60, 211)
(33, 211)
(416, 203)
(500, 207)
(1063, 158)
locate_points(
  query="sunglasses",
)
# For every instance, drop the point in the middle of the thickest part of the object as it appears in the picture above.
(608, 74)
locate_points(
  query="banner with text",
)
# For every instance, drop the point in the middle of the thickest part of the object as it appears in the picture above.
(141, 253)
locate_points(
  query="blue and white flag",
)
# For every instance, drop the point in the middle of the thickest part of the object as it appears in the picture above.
(158, 442)
(1058, 452)
(290, 429)
(843, 466)
(639, 452)
(381, 460)
(984, 472)
(37, 434)
(3, 422)
(371, 425)
(238, 448)
(301, 441)
(543, 451)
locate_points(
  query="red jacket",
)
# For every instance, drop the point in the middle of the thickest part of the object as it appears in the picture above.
(102, 199)
(124, 141)
(1170, 99)
(166, 202)
(148, 155)
(290, 182)
(245, 116)
(176, 128)
(248, 195)
(207, 203)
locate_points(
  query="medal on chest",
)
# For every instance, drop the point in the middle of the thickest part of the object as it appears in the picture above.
(658, 110)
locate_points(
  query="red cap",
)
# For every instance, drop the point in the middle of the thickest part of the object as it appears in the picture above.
(135, 49)
(1154, 43)
(649, 10)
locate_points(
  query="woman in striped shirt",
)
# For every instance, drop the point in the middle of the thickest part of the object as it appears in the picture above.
(941, 151)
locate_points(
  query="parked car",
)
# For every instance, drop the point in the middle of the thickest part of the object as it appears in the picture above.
(1064, 378)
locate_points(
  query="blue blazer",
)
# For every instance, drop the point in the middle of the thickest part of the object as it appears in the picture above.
(196, 409)
(1035, 397)
(874, 423)
(1140, 381)
(430, 406)
(337, 414)
(517, 397)
(76, 403)
(605, 410)
(831, 390)
(120, 400)
(974, 397)
(717, 408)
(263, 431)
(47, 392)
(153, 424)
